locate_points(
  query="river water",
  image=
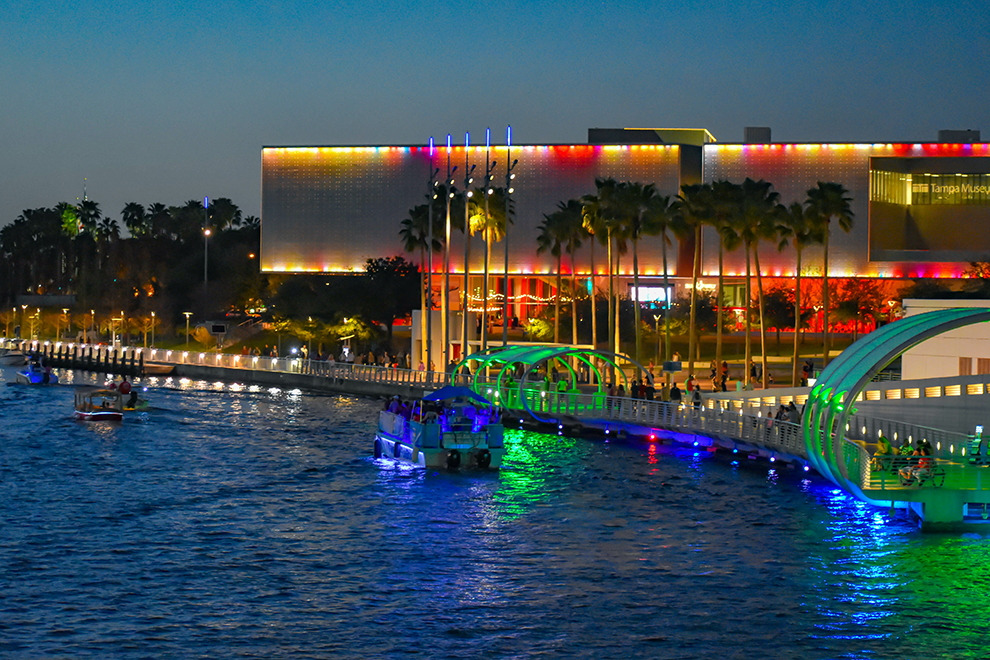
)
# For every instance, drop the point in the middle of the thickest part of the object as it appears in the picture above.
(242, 522)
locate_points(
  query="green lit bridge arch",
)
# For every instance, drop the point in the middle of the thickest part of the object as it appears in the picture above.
(830, 403)
(504, 360)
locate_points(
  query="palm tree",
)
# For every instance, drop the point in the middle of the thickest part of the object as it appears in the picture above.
(642, 201)
(825, 202)
(89, 214)
(134, 219)
(551, 239)
(694, 208)
(726, 209)
(573, 234)
(415, 235)
(796, 228)
(604, 214)
(760, 213)
(592, 226)
(663, 219)
(159, 219)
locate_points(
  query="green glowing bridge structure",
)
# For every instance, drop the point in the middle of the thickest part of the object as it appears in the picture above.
(847, 464)
(501, 362)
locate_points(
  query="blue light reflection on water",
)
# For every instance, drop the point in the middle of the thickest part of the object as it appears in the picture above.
(246, 521)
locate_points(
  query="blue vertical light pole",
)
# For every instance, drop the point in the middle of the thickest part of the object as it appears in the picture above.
(206, 237)
(468, 169)
(489, 166)
(431, 195)
(509, 176)
(446, 263)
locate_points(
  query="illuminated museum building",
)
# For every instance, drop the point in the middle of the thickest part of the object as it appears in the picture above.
(921, 209)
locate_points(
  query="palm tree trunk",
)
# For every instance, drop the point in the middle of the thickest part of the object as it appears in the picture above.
(574, 332)
(719, 305)
(797, 321)
(556, 307)
(618, 284)
(825, 301)
(692, 330)
(467, 280)
(422, 304)
(611, 296)
(749, 326)
(763, 328)
(594, 310)
(484, 291)
(636, 310)
(666, 307)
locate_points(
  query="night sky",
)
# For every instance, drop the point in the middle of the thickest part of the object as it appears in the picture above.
(170, 101)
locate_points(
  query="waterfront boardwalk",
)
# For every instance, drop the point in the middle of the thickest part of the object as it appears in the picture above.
(739, 422)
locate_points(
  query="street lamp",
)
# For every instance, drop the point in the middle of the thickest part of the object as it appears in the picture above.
(429, 269)
(446, 263)
(468, 180)
(65, 313)
(489, 177)
(656, 318)
(509, 176)
(188, 314)
(113, 330)
(206, 252)
(23, 319)
(152, 330)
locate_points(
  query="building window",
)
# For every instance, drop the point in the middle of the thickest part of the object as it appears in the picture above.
(983, 365)
(966, 366)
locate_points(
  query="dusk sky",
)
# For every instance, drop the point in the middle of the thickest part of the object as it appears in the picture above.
(165, 102)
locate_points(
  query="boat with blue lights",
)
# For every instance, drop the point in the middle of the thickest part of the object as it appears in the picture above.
(36, 374)
(451, 428)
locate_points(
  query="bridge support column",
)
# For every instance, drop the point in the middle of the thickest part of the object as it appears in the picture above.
(943, 511)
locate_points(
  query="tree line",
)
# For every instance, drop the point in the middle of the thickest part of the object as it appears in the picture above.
(157, 266)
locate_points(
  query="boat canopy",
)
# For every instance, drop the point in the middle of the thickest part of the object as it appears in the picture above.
(455, 392)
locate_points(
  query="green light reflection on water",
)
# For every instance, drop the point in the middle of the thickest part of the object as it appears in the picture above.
(523, 478)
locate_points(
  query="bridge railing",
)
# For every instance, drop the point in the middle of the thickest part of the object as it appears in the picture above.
(945, 444)
(775, 435)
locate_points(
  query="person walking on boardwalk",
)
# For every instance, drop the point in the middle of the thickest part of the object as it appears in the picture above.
(675, 394)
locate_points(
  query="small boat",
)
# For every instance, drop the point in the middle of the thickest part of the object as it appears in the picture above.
(35, 374)
(97, 404)
(451, 428)
(12, 357)
(139, 406)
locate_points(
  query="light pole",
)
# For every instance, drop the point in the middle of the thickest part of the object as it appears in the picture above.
(468, 180)
(446, 262)
(65, 313)
(509, 176)
(92, 323)
(188, 314)
(152, 329)
(432, 195)
(656, 318)
(489, 168)
(206, 253)
(23, 319)
(206, 235)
